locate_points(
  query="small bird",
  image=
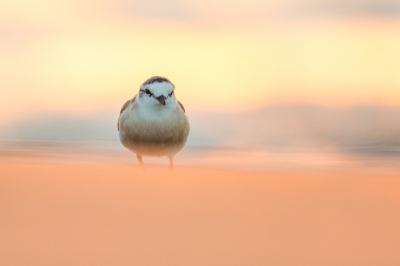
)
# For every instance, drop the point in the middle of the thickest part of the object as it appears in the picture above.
(154, 123)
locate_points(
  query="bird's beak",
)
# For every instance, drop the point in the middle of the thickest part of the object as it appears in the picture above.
(161, 99)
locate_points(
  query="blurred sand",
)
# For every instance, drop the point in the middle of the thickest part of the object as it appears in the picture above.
(63, 212)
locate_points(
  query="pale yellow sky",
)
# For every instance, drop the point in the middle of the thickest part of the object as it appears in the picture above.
(84, 56)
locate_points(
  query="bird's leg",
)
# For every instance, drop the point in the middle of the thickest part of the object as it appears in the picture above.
(139, 157)
(171, 162)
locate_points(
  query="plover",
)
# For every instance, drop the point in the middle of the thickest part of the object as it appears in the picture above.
(154, 123)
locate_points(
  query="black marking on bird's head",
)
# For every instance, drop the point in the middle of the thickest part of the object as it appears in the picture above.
(156, 79)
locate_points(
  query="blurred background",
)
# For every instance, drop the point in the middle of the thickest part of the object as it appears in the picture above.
(275, 76)
(293, 155)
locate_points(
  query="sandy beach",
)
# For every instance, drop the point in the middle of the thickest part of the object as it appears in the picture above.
(293, 155)
(62, 212)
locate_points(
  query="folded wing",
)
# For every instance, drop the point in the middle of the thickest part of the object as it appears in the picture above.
(131, 101)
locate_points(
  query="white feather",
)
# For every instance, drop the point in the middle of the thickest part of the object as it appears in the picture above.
(150, 108)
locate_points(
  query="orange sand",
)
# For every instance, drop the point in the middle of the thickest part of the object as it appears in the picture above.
(109, 213)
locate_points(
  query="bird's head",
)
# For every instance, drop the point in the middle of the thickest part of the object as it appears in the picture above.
(157, 91)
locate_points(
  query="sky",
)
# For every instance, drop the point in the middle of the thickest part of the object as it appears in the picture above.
(84, 57)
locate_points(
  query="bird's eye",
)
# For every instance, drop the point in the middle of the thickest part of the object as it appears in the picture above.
(172, 92)
(147, 92)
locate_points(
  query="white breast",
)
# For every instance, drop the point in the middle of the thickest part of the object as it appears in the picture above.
(158, 133)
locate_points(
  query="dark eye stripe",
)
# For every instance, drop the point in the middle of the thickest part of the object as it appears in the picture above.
(147, 92)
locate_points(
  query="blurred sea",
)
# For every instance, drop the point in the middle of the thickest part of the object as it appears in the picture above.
(280, 136)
